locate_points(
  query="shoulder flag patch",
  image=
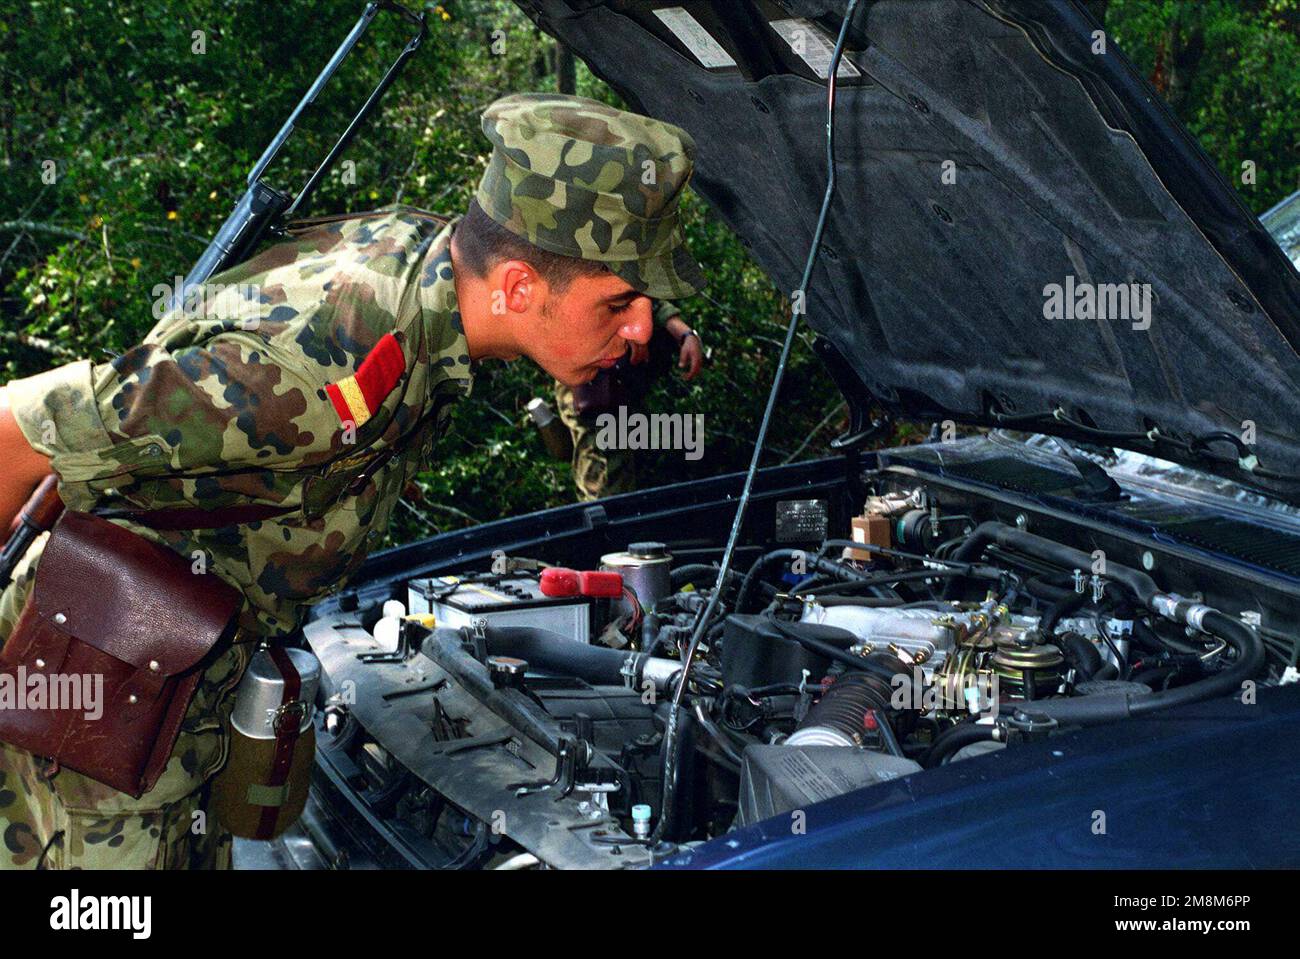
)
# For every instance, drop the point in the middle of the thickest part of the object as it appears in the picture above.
(356, 398)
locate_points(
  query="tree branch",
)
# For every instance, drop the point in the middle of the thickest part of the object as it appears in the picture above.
(31, 226)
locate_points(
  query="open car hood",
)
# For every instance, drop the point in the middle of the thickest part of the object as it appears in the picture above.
(987, 158)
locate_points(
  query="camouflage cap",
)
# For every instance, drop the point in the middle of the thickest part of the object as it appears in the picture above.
(580, 178)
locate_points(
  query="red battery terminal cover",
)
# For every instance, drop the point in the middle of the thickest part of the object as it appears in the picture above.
(562, 581)
(601, 585)
(559, 581)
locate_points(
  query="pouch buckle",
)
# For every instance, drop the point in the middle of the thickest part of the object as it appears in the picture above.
(295, 711)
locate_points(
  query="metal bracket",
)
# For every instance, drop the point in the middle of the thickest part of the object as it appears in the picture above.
(566, 773)
(399, 655)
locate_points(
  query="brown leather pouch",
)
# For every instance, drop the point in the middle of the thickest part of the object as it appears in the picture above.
(113, 608)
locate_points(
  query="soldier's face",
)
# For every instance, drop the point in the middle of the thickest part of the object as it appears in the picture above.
(587, 327)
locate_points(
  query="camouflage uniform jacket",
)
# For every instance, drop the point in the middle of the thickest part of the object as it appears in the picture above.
(317, 357)
(318, 379)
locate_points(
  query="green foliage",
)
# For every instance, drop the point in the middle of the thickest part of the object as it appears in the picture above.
(151, 141)
(151, 113)
(1230, 69)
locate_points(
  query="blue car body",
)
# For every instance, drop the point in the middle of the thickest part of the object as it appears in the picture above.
(1210, 786)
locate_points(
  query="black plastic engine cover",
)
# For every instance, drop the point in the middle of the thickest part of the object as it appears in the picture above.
(755, 653)
(778, 779)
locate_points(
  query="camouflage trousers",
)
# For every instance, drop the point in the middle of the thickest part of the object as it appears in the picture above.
(596, 472)
(54, 818)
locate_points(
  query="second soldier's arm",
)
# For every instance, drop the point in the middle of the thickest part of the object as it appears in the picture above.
(690, 352)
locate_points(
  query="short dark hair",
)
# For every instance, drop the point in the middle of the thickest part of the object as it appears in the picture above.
(482, 243)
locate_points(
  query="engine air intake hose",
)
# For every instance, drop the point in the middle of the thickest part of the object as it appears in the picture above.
(840, 717)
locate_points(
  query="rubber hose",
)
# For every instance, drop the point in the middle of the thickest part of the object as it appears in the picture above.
(597, 665)
(1058, 611)
(1156, 674)
(1041, 589)
(1067, 557)
(1087, 710)
(1090, 710)
(959, 736)
(682, 575)
(883, 665)
(1250, 659)
(444, 647)
(830, 567)
(1082, 655)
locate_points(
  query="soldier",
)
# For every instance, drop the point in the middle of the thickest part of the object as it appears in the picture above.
(320, 388)
(601, 472)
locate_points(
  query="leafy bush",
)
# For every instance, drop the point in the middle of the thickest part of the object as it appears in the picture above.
(1230, 69)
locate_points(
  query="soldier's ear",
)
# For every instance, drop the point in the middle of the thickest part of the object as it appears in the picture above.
(521, 288)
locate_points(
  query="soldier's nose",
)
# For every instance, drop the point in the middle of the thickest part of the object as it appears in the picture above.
(640, 325)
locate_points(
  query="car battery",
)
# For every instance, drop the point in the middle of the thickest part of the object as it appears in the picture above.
(505, 600)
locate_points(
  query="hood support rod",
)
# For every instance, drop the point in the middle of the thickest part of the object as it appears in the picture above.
(797, 308)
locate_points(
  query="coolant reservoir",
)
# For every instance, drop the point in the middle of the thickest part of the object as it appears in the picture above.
(646, 569)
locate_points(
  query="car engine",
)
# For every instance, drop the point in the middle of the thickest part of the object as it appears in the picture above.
(521, 714)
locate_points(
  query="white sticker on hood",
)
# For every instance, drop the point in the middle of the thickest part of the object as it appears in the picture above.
(814, 47)
(699, 41)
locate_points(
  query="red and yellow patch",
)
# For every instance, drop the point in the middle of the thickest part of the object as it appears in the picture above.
(357, 398)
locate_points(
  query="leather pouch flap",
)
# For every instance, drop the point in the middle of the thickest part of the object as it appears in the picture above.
(129, 597)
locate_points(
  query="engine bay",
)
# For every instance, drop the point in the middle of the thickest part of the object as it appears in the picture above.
(518, 713)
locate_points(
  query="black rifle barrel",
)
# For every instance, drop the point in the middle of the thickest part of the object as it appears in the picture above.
(313, 92)
(261, 206)
(411, 46)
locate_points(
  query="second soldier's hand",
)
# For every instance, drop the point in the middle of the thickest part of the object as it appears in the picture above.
(690, 357)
